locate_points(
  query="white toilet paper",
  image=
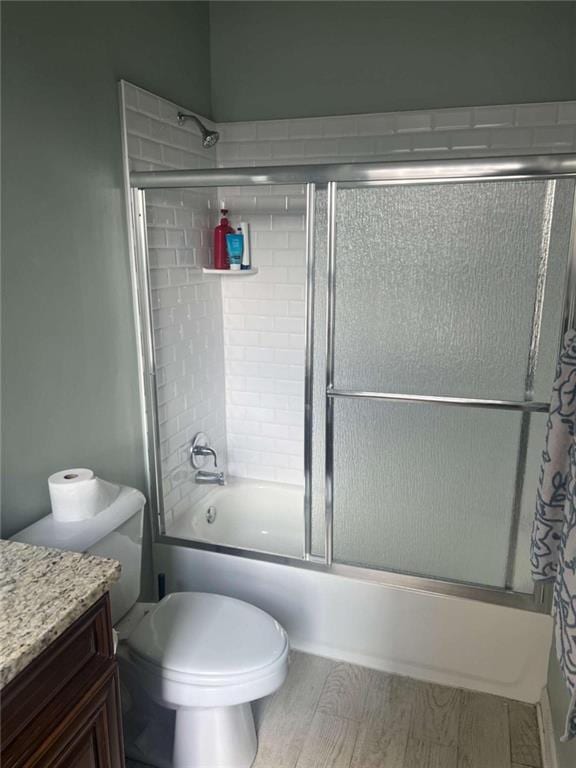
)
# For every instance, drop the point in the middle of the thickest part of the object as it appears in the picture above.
(75, 494)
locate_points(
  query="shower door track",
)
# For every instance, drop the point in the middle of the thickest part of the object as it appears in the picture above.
(333, 176)
(509, 168)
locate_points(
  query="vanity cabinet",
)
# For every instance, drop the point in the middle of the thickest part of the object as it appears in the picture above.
(63, 709)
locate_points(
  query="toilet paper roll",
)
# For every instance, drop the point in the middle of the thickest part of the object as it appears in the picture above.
(75, 494)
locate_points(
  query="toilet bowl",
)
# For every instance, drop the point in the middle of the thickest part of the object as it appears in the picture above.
(206, 657)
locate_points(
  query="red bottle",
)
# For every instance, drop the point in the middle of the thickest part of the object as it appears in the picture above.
(220, 251)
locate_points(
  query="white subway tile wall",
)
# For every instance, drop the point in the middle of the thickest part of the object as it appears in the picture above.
(186, 304)
(527, 128)
(263, 315)
(264, 337)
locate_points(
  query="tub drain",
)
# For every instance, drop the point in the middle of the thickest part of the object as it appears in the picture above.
(210, 514)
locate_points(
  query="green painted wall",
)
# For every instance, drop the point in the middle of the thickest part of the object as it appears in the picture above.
(70, 380)
(296, 59)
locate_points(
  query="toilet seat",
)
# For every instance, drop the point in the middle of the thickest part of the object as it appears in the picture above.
(199, 649)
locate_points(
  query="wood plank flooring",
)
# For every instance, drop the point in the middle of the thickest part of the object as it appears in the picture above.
(334, 715)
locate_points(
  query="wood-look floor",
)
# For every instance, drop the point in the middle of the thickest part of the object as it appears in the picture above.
(334, 715)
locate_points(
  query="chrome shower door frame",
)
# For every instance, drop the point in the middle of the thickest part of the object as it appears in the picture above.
(333, 176)
(308, 365)
(141, 278)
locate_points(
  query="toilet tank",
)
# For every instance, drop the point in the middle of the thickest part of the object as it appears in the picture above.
(115, 532)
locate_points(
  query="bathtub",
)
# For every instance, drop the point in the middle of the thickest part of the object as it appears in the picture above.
(250, 514)
(439, 638)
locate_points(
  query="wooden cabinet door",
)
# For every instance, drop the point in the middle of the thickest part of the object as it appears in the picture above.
(92, 738)
(89, 750)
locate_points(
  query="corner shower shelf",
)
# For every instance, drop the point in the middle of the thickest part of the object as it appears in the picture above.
(231, 272)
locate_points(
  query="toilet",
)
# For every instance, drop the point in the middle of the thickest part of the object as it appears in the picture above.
(190, 665)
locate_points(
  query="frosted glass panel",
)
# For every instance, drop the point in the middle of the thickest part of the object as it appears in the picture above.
(436, 285)
(424, 489)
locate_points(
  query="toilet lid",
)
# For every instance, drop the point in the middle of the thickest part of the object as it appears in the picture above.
(197, 634)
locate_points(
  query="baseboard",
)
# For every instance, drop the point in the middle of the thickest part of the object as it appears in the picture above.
(546, 729)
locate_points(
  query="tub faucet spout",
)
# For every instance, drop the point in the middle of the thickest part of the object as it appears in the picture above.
(210, 478)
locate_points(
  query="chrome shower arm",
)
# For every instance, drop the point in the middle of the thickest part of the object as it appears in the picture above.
(209, 138)
(183, 116)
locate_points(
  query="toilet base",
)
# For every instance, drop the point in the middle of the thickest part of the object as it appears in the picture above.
(214, 737)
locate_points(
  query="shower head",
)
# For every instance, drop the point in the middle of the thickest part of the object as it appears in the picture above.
(209, 138)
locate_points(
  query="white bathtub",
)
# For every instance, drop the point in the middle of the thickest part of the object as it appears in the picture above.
(443, 639)
(446, 640)
(250, 514)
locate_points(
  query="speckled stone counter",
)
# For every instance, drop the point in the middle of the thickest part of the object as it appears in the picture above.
(42, 592)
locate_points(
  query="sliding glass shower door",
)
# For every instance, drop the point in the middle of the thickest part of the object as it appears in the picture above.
(394, 350)
(443, 317)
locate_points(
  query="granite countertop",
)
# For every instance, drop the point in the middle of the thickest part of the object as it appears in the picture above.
(42, 592)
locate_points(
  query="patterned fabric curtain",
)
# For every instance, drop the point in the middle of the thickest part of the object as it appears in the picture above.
(553, 550)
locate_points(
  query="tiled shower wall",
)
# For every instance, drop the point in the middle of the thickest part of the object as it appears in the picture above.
(264, 338)
(444, 133)
(263, 315)
(187, 305)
